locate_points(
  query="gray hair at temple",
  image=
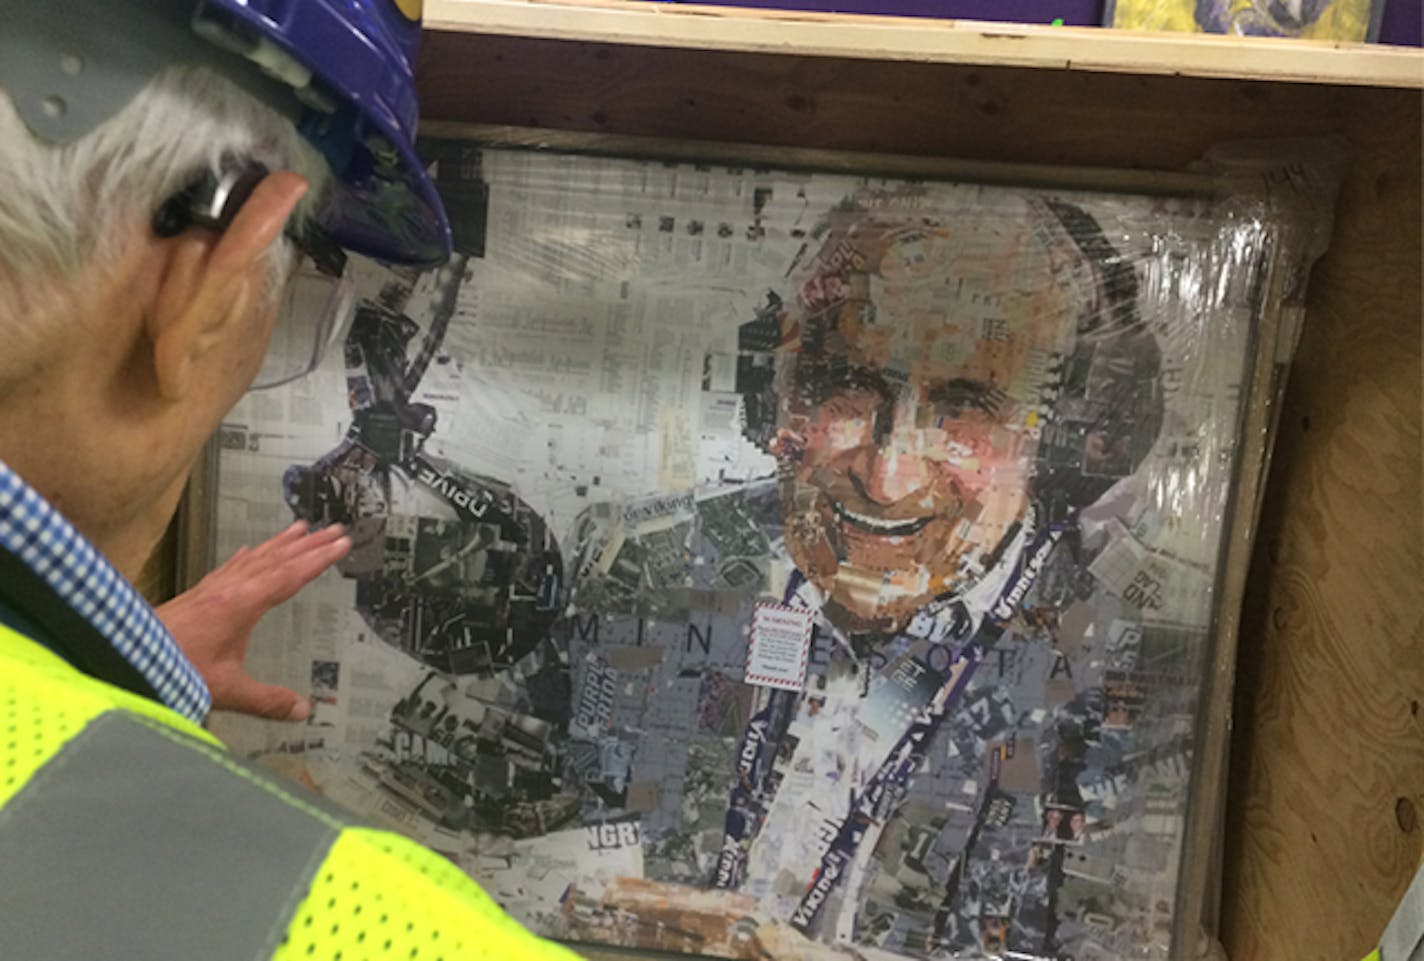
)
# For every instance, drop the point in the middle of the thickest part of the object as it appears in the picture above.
(65, 211)
(1105, 397)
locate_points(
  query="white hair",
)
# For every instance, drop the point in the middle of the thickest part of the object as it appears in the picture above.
(66, 211)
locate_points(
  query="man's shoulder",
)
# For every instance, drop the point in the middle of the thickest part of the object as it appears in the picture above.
(375, 885)
(141, 795)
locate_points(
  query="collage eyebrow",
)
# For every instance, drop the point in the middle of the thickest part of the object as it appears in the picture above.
(821, 379)
(957, 395)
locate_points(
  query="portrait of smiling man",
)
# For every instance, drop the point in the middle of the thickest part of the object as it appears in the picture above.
(886, 522)
(940, 421)
(910, 411)
(943, 390)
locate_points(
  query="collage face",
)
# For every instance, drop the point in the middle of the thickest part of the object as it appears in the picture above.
(770, 564)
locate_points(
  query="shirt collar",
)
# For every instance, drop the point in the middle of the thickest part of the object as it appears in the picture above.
(41, 539)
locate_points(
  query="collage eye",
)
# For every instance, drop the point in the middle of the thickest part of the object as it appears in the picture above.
(962, 396)
(852, 401)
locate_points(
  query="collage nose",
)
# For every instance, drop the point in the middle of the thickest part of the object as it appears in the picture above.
(888, 468)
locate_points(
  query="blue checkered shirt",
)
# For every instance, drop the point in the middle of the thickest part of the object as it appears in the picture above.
(43, 540)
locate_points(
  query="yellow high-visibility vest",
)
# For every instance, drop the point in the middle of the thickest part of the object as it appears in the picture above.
(126, 831)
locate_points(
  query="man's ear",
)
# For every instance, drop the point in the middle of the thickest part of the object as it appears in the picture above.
(208, 280)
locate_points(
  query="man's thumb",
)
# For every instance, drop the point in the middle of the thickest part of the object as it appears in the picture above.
(269, 701)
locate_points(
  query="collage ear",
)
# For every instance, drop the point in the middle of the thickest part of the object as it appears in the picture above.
(208, 281)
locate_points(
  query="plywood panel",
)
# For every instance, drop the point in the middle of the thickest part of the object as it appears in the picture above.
(1328, 765)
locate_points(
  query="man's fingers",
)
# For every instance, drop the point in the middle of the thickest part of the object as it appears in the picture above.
(282, 541)
(295, 531)
(265, 569)
(248, 696)
(299, 569)
(296, 540)
(323, 536)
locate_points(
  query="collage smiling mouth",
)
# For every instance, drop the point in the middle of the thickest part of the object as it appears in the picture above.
(879, 526)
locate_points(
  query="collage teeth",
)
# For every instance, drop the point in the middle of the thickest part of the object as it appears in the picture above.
(880, 524)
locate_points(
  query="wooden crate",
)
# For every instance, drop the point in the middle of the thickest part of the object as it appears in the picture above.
(1327, 774)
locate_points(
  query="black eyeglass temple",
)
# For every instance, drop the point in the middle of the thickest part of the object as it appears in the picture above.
(213, 201)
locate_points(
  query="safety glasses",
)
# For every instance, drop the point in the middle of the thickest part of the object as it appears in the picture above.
(320, 296)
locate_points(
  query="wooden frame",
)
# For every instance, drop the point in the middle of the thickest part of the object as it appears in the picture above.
(1201, 881)
(676, 25)
(1201, 877)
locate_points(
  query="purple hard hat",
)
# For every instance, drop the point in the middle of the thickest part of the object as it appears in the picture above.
(341, 70)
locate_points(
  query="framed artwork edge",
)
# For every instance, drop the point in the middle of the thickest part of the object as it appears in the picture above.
(1200, 870)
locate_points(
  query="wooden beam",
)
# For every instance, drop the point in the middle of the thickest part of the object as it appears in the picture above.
(1089, 49)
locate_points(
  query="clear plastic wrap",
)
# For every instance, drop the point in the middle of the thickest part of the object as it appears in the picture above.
(775, 563)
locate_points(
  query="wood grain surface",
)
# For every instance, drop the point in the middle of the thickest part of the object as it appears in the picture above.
(749, 28)
(929, 109)
(1327, 783)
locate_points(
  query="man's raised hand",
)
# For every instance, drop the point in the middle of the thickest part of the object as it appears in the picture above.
(213, 621)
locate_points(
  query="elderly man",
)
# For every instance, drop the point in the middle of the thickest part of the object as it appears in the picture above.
(945, 391)
(935, 451)
(167, 170)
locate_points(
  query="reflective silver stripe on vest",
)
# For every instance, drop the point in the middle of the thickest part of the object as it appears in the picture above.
(1403, 939)
(137, 842)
